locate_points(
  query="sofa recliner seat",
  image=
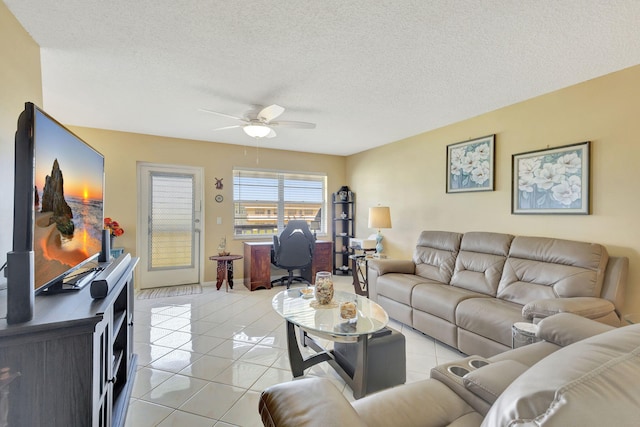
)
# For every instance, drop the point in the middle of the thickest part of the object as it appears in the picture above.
(582, 373)
(467, 290)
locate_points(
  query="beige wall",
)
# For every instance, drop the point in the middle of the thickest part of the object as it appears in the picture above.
(123, 151)
(409, 175)
(19, 82)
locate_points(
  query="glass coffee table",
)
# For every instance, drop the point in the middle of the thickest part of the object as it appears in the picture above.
(325, 322)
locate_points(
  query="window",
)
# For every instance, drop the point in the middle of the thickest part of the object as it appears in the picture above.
(264, 201)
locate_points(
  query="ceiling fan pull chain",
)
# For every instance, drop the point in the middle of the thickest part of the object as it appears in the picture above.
(257, 151)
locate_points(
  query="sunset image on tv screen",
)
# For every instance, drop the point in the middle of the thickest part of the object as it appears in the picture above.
(69, 178)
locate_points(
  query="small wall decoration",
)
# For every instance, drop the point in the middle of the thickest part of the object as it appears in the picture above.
(552, 181)
(218, 183)
(470, 165)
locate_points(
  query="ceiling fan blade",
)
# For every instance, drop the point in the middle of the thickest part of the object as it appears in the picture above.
(269, 113)
(271, 134)
(222, 114)
(229, 127)
(299, 125)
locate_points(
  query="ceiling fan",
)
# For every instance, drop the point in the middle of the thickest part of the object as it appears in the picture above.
(262, 124)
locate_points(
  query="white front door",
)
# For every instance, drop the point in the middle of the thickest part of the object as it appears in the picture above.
(169, 225)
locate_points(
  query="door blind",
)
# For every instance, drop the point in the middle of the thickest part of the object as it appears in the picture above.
(171, 221)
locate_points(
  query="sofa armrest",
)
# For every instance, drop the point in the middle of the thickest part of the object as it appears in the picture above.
(565, 328)
(384, 266)
(306, 402)
(491, 380)
(589, 307)
(379, 267)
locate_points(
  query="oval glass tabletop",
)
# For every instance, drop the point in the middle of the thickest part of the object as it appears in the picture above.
(307, 314)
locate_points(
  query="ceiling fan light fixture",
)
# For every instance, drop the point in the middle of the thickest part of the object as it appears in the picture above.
(257, 131)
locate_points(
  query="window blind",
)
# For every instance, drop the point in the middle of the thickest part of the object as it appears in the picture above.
(264, 201)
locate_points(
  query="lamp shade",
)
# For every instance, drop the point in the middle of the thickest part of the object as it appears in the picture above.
(257, 131)
(379, 217)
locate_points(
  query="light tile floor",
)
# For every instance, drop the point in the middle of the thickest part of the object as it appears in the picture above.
(204, 359)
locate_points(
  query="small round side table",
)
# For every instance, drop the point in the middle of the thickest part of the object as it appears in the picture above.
(523, 333)
(223, 269)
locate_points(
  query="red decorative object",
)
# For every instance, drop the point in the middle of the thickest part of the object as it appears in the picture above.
(114, 227)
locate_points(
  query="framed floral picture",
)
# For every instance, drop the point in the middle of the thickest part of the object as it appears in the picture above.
(552, 181)
(470, 165)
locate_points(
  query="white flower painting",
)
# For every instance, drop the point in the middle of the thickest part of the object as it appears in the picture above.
(552, 181)
(470, 165)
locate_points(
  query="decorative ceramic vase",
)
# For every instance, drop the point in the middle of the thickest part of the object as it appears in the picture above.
(324, 287)
(343, 193)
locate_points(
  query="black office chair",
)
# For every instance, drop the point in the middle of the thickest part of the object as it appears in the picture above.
(293, 250)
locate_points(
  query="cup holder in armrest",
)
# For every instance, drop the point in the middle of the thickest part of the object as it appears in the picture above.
(458, 371)
(453, 373)
(478, 363)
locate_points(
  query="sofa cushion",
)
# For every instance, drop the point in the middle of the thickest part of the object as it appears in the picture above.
(440, 300)
(480, 261)
(435, 255)
(427, 403)
(541, 268)
(398, 286)
(567, 387)
(489, 317)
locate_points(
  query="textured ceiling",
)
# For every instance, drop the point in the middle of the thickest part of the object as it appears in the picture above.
(367, 72)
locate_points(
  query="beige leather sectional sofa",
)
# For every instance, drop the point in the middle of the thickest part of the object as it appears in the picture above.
(467, 290)
(583, 373)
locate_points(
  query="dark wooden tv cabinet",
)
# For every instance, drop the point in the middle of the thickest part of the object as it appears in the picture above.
(72, 364)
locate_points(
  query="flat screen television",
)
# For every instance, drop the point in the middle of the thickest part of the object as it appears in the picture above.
(59, 199)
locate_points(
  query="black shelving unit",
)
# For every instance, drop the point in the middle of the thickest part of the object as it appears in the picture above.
(344, 218)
